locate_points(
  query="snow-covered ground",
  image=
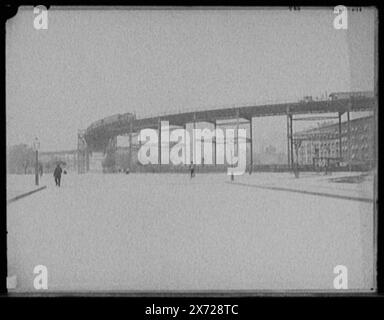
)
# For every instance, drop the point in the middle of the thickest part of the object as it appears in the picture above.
(166, 232)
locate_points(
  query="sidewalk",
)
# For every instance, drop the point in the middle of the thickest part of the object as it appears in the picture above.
(316, 184)
(20, 186)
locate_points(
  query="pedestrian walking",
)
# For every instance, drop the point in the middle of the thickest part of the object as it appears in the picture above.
(192, 169)
(57, 174)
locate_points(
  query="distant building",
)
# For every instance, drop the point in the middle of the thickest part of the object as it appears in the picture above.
(323, 142)
(49, 159)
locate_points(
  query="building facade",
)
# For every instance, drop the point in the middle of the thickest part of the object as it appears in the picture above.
(323, 143)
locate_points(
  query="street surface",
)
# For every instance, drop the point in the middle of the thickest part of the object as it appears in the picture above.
(154, 232)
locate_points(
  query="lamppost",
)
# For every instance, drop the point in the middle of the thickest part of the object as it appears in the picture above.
(36, 147)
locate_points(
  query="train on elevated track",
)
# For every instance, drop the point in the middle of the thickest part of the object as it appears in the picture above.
(112, 120)
(342, 95)
(351, 95)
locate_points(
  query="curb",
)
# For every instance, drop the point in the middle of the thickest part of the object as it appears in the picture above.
(313, 193)
(25, 194)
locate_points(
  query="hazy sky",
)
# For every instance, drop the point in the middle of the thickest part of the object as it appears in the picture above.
(94, 63)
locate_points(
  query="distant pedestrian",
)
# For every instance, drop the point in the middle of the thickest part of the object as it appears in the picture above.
(41, 170)
(192, 169)
(57, 174)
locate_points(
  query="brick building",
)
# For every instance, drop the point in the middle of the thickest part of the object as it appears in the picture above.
(324, 142)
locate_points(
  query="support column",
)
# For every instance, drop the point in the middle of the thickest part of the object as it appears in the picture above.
(237, 132)
(37, 168)
(349, 142)
(169, 143)
(185, 145)
(193, 139)
(291, 135)
(225, 147)
(340, 146)
(288, 143)
(215, 144)
(159, 142)
(251, 145)
(130, 146)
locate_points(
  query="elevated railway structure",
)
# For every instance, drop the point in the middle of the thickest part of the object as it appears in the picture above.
(101, 135)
